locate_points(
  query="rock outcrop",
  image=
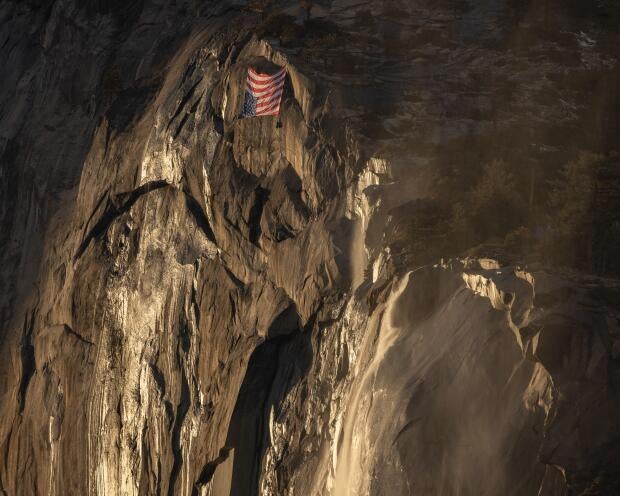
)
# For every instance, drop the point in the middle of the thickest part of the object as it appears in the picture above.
(377, 292)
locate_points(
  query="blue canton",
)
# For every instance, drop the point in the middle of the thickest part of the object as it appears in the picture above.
(249, 105)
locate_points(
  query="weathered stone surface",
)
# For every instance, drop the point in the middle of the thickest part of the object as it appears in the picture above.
(409, 287)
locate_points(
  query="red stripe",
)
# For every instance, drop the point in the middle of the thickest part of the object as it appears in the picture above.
(261, 78)
(271, 108)
(270, 105)
(268, 102)
(275, 111)
(264, 87)
(269, 111)
(258, 92)
(265, 80)
(258, 85)
(268, 98)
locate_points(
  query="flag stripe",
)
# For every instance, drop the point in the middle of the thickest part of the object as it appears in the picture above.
(268, 105)
(259, 77)
(269, 98)
(266, 108)
(275, 111)
(262, 82)
(259, 91)
(272, 111)
(267, 92)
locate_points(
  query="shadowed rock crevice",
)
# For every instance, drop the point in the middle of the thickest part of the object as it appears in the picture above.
(116, 207)
(248, 430)
(8, 182)
(186, 98)
(122, 203)
(179, 418)
(70, 332)
(188, 113)
(267, 381)
(261, 195)
(28, 364)
(159, 378)
(199, 217)
(209, 469)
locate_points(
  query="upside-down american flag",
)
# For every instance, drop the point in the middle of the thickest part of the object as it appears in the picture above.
(263, 93)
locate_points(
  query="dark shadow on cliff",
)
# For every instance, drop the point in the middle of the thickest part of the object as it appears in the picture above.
(274, 368)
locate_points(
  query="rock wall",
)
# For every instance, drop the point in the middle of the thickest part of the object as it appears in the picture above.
(192, 303)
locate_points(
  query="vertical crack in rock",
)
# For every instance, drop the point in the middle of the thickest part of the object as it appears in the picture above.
(186, 98)
(159, 379)
(267, 380)
(261, 195)
(185, 118)
(179, 419)
(248, 433)
(200, 217)
(27, 360)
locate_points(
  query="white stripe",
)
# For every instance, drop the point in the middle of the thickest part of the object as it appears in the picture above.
(260, 94)
(265, 78)
(261, 102)
(265, 108)
(268, 102)
(260, 87)
(274, 111)
(263, 91)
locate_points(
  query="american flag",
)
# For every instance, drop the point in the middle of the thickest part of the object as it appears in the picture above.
(263, 93)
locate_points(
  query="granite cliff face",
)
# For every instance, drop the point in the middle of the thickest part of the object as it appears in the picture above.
(410, 286)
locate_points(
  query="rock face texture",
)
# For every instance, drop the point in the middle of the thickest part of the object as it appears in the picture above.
(405, 284)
